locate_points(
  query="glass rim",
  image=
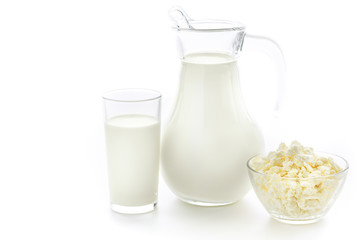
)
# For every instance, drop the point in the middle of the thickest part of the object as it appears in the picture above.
(154, 95)
(216, 26)
(343, 171)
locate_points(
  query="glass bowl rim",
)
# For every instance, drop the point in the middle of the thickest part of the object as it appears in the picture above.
(343, 171)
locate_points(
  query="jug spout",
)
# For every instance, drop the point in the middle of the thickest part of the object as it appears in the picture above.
(179, 17)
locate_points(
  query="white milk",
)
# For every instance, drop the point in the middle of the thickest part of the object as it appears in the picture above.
(133, 159)
(210, 135)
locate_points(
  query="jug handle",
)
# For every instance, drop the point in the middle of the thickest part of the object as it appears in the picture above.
(273, 50)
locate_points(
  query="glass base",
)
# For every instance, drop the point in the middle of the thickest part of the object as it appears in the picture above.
(296, 221)
(205, 204)
(133, 209)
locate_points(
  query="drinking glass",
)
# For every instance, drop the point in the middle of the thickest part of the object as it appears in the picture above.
(132, 130)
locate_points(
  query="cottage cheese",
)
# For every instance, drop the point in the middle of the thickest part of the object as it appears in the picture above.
(298, 183)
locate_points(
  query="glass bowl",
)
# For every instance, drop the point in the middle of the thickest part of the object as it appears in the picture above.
(298, 200)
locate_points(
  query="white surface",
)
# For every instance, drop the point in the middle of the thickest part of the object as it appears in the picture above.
(58, 57)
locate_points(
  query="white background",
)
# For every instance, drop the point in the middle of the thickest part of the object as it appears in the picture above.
(58, 57)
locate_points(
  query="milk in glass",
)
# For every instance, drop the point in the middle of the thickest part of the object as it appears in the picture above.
(133, 159)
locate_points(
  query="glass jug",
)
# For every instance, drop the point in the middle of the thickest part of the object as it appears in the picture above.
(210, 134)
